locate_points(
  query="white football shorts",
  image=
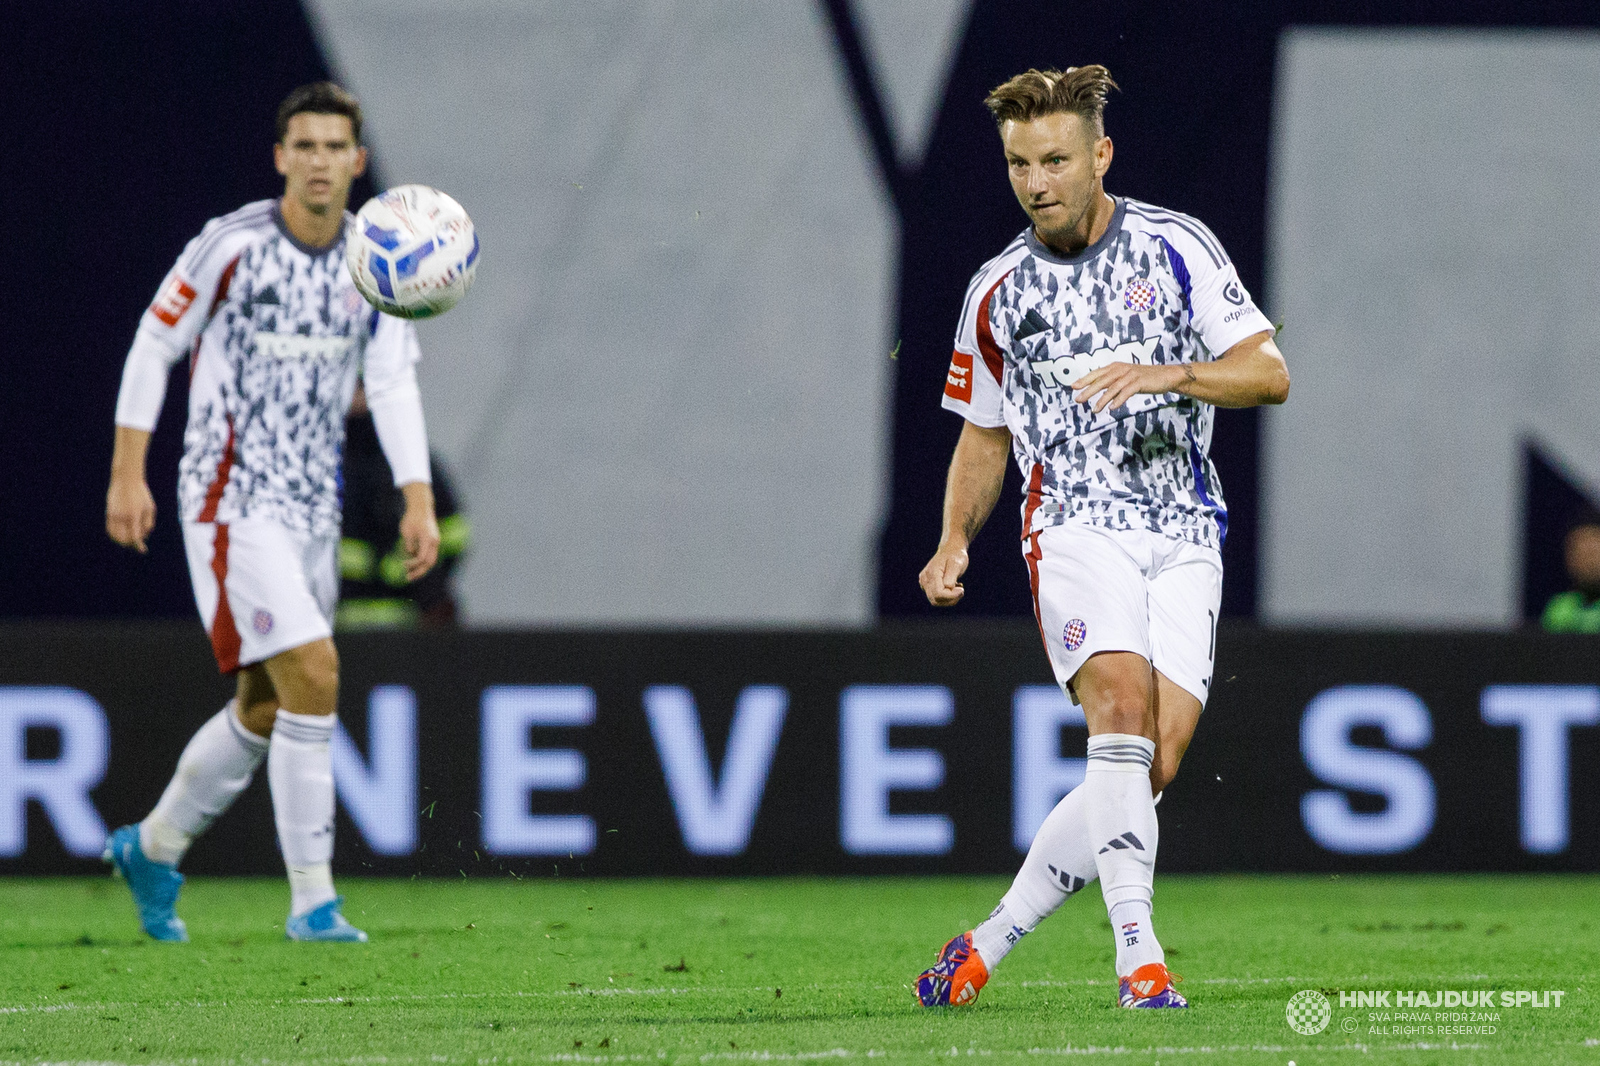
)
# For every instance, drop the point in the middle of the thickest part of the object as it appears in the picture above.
(261, 588)
(1097, 589)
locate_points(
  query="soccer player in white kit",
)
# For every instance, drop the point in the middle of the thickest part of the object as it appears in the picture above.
(276, 334)
(1095, 348)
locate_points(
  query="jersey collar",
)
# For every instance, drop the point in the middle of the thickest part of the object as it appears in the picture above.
(1042, 250)
(314, 252)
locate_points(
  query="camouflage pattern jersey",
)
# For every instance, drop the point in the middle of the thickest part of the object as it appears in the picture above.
(276, 335)
(1157, 288)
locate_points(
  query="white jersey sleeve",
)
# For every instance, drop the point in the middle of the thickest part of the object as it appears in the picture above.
(390, 376)
(1221, 311)
(973, 384)
(184, 304)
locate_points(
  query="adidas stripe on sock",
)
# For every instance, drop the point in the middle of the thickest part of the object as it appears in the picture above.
(1060, 862)
(1122, 825)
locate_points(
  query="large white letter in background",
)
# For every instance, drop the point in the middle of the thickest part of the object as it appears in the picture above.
(511, 769)
(382, 801)
(1400, 779)
(1543, 714)
(781, 518)
(1404, 509)
(869, 769)
(60, 785)
(1039, 775)
(716, 819)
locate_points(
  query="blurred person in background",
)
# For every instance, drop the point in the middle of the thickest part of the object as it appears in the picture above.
(277, 337)
(374, 592)
(1578, 609)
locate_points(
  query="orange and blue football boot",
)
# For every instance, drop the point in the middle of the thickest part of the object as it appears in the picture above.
(1150, 986)
(955, 979)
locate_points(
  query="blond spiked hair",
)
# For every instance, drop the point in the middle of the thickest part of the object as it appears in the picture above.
(1035, 93)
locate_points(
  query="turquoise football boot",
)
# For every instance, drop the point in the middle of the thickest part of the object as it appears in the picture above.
(154, 885)
(324, 923)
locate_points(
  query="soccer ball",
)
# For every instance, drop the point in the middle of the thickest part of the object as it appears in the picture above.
(412, 252)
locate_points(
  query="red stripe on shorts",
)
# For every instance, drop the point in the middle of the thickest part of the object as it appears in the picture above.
(224, 634)
(1033, 555)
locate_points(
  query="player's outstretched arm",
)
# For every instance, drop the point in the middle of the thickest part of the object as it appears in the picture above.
(1249, 374)
(130, 509)
(977, 473)
(419, 529)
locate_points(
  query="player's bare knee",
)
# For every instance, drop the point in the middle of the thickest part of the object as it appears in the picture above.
(258, 718)
(256, 701)
(321, 681)
(307, 678)
(1120, 710)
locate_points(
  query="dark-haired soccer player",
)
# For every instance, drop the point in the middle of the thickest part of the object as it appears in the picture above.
(276, 334)
(1095, 348)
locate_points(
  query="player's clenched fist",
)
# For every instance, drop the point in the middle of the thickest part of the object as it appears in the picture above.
(130, 512)
(941, 578)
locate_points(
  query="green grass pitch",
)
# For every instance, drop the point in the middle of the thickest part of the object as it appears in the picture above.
(729, 971)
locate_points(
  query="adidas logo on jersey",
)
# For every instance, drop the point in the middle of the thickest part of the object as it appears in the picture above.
(1066, 369)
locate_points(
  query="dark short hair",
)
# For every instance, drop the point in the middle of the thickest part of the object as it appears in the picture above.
(1033, 94)
(320, 98)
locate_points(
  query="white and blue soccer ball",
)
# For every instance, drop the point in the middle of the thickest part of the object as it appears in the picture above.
(412, 252)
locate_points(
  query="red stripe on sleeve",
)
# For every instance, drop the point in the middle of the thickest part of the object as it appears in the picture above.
(993, 358)
(223, 284)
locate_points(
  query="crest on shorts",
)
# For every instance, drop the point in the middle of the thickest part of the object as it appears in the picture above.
(262, 622)
(1075, 634)
(1140, 295)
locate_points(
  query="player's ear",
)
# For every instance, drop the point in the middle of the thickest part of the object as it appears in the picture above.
(277, 159)
(1102, 156)
(361, 161)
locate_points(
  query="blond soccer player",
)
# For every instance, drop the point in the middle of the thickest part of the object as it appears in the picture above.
(1094, 349)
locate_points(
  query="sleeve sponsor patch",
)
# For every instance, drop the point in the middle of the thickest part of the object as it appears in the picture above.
(958, 382)
(173, 301)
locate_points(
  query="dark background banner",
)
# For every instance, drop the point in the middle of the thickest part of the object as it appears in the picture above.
(133, 124)
(1318, 751)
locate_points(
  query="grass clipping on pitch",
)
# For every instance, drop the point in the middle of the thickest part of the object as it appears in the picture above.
(716, 971)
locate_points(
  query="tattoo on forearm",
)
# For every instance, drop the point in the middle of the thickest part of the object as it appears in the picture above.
(970, 523)
(1188, 375)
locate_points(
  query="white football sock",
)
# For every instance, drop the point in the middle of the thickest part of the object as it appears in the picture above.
(300, 770)
(1060, 862)
(1122, 827)
(216, 765)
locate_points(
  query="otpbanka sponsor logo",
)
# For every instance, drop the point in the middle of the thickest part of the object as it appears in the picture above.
(1416, 1012)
